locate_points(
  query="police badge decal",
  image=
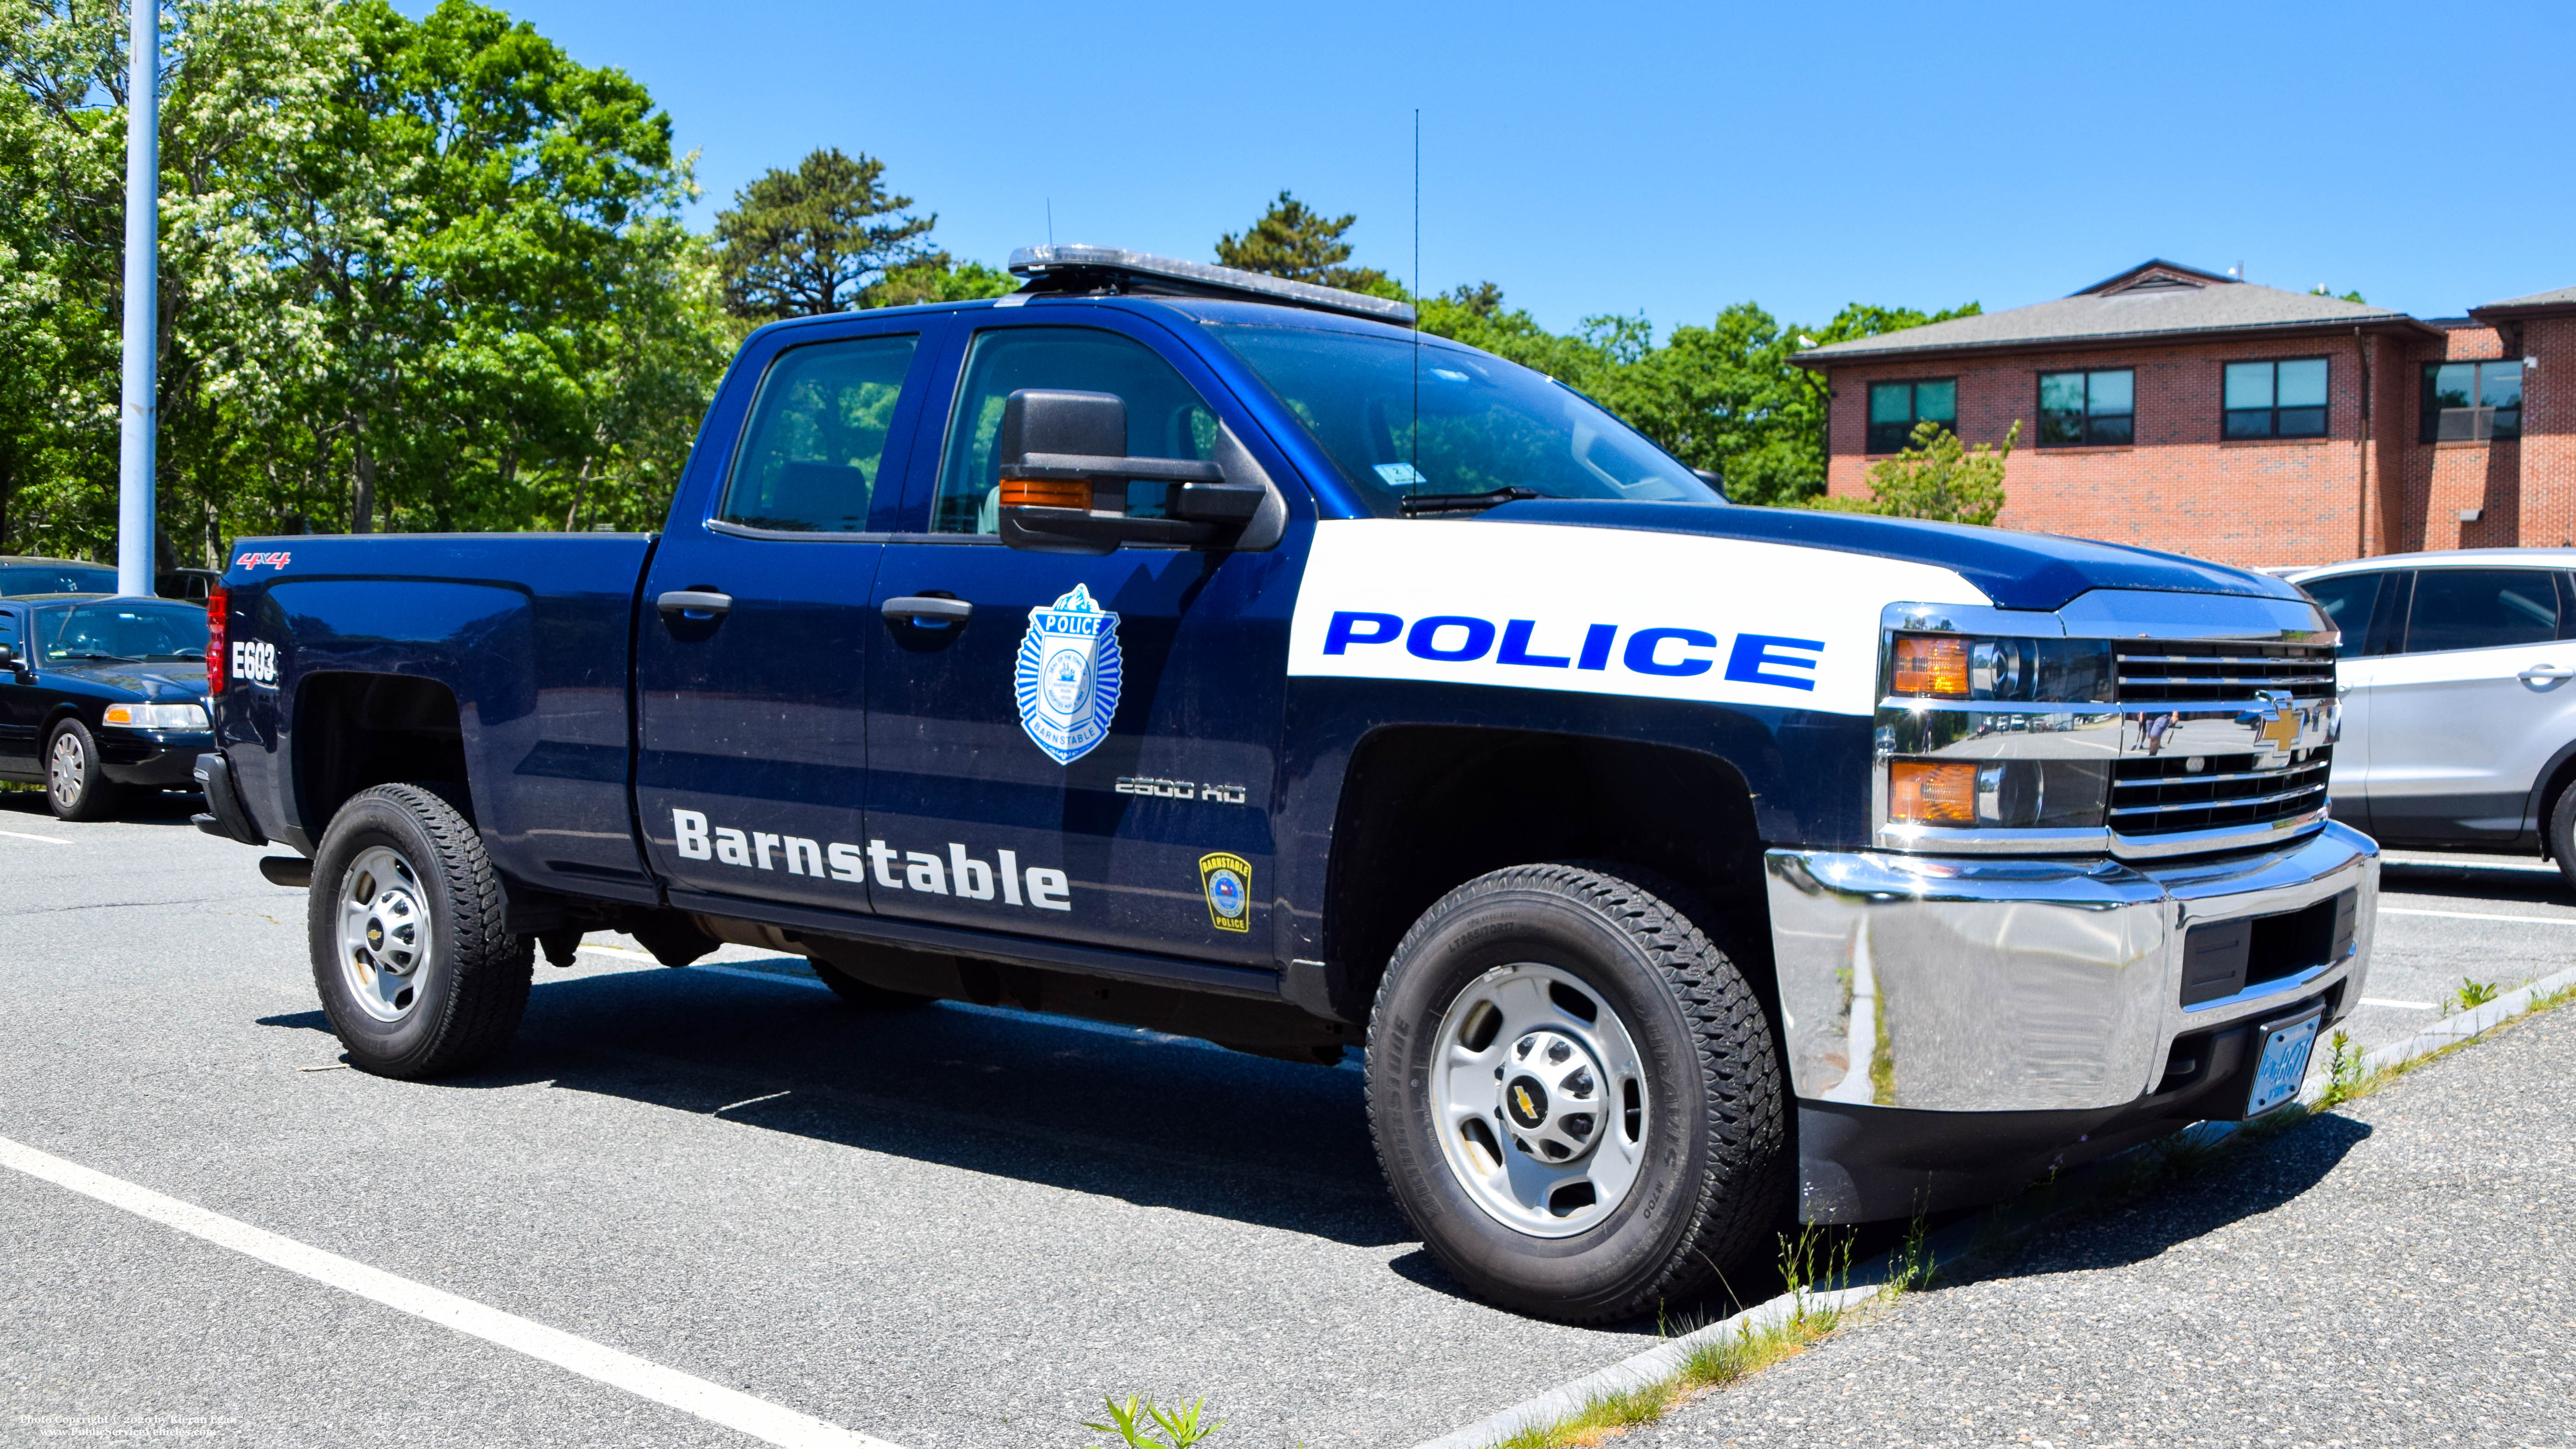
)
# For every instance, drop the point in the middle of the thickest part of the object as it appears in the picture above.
(1068, 675)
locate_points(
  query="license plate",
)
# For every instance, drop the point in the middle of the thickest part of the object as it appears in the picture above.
(2284, 1064)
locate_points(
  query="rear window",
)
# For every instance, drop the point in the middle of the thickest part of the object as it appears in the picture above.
(2481, 609)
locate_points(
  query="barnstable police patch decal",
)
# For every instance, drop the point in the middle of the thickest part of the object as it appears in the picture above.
(1227, 879)
(1068, 675)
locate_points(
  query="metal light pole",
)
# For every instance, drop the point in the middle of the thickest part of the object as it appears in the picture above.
(141, 411)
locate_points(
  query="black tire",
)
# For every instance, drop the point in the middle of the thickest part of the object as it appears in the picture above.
(865, 995)
(469, 988)
(76, 787)
(1717, 1173)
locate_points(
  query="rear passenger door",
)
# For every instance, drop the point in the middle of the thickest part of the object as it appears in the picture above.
(751, 772)
(18, 709)
(2480, 694)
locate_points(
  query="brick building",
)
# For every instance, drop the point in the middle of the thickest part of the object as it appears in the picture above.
(2185, 410)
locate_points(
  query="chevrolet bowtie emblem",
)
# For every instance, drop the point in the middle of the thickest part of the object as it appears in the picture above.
(1522, 1096)
(2280, 728)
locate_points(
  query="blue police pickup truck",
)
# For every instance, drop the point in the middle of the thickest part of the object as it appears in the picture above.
(1208, 652)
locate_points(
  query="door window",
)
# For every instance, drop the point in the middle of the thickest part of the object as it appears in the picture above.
(2481, 609)
(818, 435)
(2349, 600)
(1166, 417)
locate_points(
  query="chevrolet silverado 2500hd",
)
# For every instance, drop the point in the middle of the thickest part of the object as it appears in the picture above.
(1214, 653)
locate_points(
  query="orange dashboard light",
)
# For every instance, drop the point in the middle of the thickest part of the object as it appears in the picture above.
(1932, 794)
(1934, 666)
(1045, 493)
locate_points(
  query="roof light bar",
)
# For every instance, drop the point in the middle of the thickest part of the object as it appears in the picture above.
(1116, 269)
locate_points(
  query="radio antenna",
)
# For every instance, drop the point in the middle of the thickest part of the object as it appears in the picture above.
(1050, 221)
(1416, 459)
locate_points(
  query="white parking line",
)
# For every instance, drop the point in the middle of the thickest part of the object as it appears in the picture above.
(2479, 916)
(761, 1419)
(22, 835)
(2400, 1005)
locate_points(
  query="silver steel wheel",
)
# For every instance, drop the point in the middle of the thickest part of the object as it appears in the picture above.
(384, 932)
(1540, 1100)
(66, 769)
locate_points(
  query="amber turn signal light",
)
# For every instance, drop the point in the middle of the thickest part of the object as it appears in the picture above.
(1932, 794)
(1045, 493)
(1932, 665)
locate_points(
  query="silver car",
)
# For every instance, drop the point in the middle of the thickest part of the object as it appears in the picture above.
(2459, 721)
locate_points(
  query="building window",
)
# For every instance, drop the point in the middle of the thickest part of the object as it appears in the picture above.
(2472, 401)
(2277, 399)
(2087, 409)
(1895, 407)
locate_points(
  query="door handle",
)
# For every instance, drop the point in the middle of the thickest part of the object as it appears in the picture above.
(914, 608)
(2544, 671)
(684, 602)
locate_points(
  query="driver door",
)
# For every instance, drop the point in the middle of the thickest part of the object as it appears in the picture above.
(1079, 747)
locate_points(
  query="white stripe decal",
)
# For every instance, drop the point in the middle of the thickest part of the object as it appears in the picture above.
(687, 1393)
(1602, 611)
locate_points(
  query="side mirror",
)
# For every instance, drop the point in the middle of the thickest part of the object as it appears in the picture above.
(1064, 482)
(8, 658)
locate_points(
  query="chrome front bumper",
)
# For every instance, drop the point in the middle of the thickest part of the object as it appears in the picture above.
(1978, 984)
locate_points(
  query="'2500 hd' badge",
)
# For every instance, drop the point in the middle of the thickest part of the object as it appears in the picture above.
(1068, 675)
(1227, 879)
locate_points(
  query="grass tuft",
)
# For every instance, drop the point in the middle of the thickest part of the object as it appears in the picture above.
(1135, 1422)
(2473, 994)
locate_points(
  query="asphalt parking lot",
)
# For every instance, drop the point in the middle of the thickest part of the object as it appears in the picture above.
(943, 1228)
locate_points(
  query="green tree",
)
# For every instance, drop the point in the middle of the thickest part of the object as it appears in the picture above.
(808, 241)
(1935, 477)
(414, 273)
(1303, 245)
(938, 277)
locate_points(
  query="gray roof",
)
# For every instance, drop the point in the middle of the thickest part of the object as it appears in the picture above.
(2153, 299)
(2563, 297)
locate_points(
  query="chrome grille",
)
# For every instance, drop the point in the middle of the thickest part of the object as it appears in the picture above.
(2181, 673)
(2159, 796)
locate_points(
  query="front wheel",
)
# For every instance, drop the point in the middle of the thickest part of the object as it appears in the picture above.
(417, 971)
(76, 788)
(2562, 833)
(1576, 1096)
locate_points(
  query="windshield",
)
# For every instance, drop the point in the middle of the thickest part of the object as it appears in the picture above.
(1484, 424)
(135, 632)
(18, 580)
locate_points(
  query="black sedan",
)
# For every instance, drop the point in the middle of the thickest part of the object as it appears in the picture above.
(101, 696)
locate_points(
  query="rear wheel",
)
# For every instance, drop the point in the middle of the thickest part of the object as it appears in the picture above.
(1576, 1096)
(416, 970)
(76, 788)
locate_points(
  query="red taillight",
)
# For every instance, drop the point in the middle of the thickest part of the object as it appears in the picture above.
(217, 628)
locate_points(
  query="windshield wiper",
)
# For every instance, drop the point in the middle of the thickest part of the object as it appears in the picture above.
(119, 658)
(1414, 503)
(184, 656)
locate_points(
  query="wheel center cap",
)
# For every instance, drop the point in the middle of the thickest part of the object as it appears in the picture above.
(1550, 1096)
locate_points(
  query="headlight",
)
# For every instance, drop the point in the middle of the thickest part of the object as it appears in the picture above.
(2040, 671)
(1999, 794)
(1980, 733)
(157, 716)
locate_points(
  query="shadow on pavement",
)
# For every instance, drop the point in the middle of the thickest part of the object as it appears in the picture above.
(2239, 1184)
(1218, 1133)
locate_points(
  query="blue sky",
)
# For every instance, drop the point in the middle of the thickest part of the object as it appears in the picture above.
(1671, 159)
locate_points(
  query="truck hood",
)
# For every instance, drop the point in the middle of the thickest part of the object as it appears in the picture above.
(2016, 570)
